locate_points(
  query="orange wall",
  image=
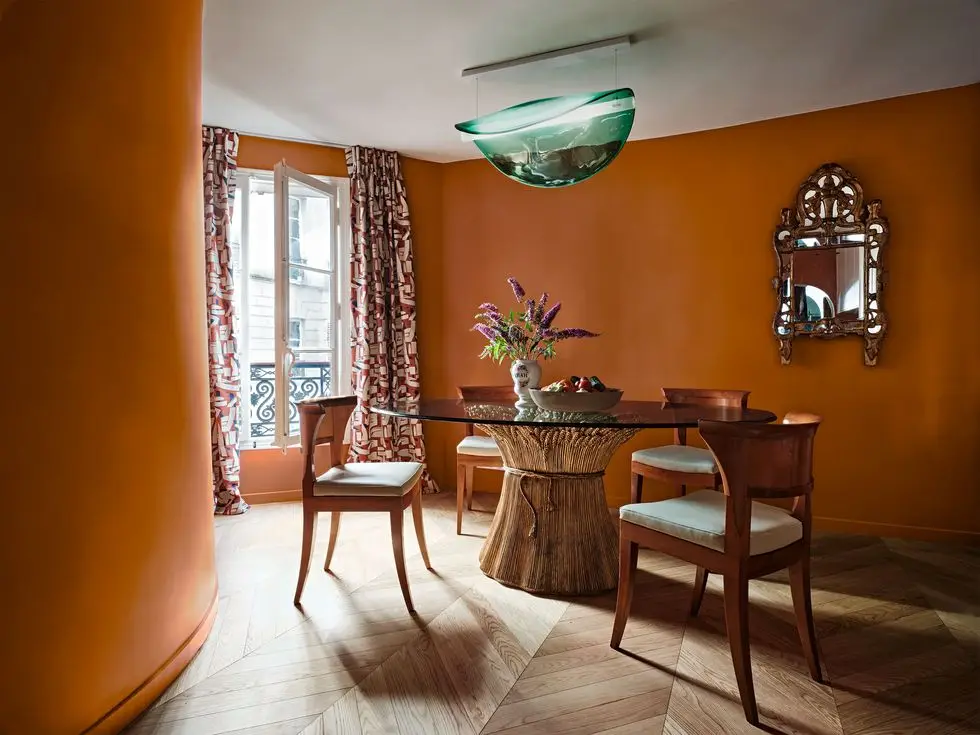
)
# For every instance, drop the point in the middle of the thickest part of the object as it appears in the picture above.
(270, 474)
(107, 554)
(668, 254)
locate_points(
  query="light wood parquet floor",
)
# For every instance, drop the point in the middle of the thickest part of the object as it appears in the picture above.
(898, 622)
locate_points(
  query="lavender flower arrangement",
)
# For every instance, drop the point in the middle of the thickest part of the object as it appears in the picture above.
(528, 334)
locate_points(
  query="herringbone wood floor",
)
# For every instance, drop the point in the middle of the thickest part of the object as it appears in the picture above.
(898, 626)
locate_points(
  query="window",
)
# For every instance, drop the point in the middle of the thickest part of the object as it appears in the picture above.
(295, 333)
(287, 237)
(295, 239)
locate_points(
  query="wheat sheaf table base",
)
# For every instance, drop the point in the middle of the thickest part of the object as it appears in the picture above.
(552, 532)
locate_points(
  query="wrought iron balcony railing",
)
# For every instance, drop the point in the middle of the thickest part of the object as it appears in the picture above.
(307, 380)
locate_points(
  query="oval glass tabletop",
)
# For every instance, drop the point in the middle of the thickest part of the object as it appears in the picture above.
(628, 414)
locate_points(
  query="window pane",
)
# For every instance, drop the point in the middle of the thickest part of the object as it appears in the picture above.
(260, 312)
(238, 278)
(235, 241)
(310, 377)
(310, 306)
(311, 227)
(261, 271)
(295, 333)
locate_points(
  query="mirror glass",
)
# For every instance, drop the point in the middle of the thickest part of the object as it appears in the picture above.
(827, 282)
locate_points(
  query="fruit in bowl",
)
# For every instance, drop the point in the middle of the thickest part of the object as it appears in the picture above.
(575, 384)
(577, 394)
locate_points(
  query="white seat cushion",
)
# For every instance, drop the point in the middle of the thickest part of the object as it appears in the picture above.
(700, 518)
(480, 446)
(369, 478)
(678, 458)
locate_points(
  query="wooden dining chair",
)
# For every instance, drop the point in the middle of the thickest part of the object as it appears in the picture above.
(678, 464)
(733, 535)
(476, 450)
(357, 486)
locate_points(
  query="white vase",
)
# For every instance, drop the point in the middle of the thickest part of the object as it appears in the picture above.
(526, 375)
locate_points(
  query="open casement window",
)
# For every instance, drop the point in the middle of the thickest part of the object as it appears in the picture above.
(290, 242)
(307, 328)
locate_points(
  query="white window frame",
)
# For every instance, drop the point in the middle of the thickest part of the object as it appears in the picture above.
(340, 351)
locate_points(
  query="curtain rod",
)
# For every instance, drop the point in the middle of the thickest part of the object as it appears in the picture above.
(283, 138)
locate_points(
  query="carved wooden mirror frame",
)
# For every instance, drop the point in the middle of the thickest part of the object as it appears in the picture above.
(830, 215)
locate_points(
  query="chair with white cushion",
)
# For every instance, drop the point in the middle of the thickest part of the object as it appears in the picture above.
(731, 534)
(679, 464)
(357, 486)
(476, 450)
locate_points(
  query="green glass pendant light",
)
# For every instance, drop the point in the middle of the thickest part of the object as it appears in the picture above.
(557, 141)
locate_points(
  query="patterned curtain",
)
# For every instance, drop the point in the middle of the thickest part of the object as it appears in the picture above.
(385, 361)
(220, 161)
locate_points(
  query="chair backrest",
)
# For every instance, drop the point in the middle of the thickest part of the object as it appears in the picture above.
(763, 461)
(484, 393)
(323, 421)
(801, 417)
(720, 397)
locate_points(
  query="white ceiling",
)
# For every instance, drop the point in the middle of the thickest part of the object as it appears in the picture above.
(386, 73)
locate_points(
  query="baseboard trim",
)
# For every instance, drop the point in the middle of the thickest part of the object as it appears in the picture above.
(873, 528)
(273, 496)
(140, 698)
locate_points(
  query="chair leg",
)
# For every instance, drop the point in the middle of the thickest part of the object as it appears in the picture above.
(636, 488)
(628, 551)
(799, 582)
(469, 487)
(419, 528)
(332, 544)
(700, 582)
(398, 548)
(737, 623)
(309, 539)
(460, 495)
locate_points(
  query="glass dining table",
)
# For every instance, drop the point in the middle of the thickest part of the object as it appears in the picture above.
(552, 532)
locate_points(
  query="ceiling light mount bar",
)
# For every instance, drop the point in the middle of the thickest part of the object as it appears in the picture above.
(594, 50)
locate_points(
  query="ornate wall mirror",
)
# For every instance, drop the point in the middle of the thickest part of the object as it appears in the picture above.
(829, 268)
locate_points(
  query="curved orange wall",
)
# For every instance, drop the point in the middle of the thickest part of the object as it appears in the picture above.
(107, 551)
(668, 254)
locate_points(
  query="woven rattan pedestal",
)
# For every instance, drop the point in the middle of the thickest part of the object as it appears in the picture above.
(552, 532)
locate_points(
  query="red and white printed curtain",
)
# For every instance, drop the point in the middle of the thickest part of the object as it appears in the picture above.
(220, 149)
(385, 359)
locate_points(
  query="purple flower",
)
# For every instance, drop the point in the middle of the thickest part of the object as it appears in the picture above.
(519, 292)
(539, 313)
(574, 333)
(528, 332)
(549, 317)
(485, 331)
